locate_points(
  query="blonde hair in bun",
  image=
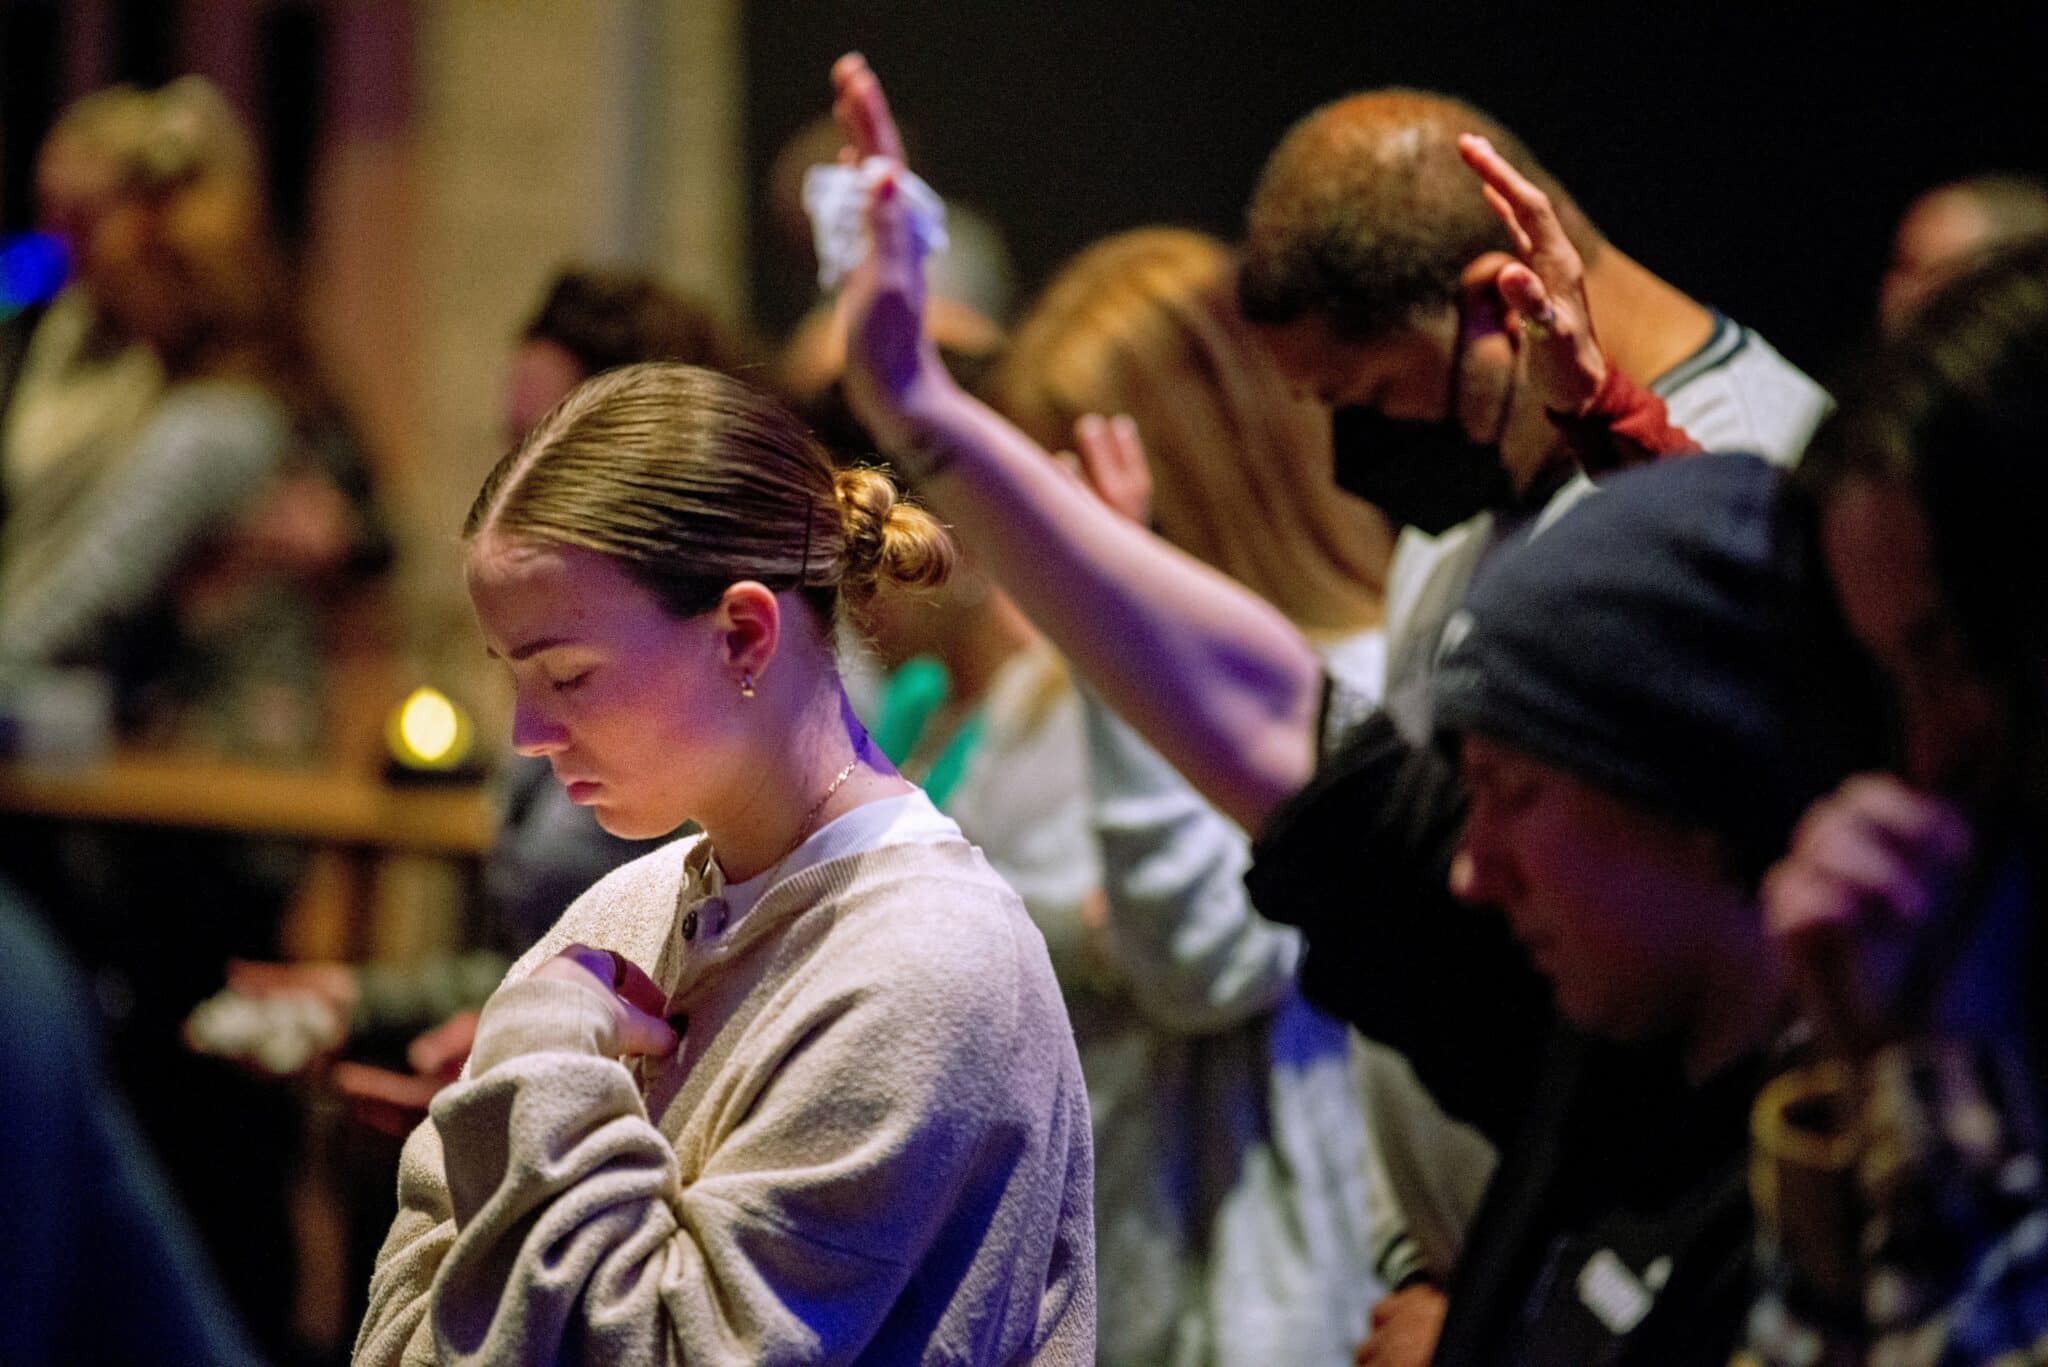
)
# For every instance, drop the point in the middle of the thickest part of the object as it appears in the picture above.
(888, 540)
(693, 481)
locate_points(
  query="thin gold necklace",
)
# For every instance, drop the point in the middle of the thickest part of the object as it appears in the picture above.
(715, 907)
(803, 832)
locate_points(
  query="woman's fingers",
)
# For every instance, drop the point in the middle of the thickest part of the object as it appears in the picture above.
(862, 110)
(640, 1003)
(639, 990)
(640, 1033)
(1881, 847)
(1921, 827)
(1869, 865)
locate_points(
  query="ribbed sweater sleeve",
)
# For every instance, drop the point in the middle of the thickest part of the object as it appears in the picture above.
(850, 1123)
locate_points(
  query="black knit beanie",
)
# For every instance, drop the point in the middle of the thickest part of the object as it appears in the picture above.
(1648, 643)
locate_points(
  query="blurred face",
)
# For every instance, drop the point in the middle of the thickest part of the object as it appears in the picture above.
(1425, 420)
(1613, 903)
(543, 373)
(1954, 723)
(1405, 374)
(76, 192)
(635, 710)
(1940, 235)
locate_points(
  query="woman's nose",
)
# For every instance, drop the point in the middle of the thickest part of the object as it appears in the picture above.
(534, 732)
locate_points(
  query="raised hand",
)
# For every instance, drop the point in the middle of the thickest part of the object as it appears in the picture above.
(1112, 462)
(1869, 864)
(1543, 293)
(862, 112)
(894, 377)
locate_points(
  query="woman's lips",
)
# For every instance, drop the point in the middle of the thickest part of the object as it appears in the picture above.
(580, 789)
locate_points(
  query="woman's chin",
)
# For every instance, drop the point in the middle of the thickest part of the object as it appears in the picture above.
(629, 824)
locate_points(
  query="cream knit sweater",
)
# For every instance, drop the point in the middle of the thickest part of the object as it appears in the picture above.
(872, 1145)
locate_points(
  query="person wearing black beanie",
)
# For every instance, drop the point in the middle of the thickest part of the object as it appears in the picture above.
(1626, 696)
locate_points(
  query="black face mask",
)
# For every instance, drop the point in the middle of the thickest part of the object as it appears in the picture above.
(1427, 475)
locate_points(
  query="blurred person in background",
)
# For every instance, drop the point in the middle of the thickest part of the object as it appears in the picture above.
(184, 505)
(1231, 1220)
(182, 491)
(1901, 1180)
(1952, 228)
(97, 1263)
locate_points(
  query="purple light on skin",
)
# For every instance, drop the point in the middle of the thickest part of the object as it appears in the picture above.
(33, 267)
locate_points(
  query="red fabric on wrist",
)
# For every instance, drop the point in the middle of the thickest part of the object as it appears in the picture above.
(1624, 425)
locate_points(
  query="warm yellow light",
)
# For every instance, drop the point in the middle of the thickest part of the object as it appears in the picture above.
(429, 731)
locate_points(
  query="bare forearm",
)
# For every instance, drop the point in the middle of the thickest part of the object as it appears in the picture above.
(1208, 672)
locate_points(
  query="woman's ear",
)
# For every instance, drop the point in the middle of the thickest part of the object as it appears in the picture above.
(748, 623)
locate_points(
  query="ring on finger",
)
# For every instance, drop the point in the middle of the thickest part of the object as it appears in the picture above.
(618, 969)
(1542, 325)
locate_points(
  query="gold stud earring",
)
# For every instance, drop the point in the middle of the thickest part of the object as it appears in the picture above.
(747, 684)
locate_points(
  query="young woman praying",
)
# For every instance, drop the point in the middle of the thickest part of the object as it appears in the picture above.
(800, 1089)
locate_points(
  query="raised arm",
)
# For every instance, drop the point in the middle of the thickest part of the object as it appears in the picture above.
(1212, 675)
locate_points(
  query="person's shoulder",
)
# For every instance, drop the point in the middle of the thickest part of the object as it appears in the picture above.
(219, 417)
(629, 909)
(940, 917)
(1739, 393)
(945, 881)
(223, 399)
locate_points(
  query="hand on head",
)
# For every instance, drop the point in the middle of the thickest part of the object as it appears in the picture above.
(1542, 296)
(893, 373)
(1868, 867)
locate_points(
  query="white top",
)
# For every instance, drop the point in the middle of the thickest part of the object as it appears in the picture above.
(891, 821)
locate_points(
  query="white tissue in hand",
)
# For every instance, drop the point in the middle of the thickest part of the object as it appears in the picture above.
(280, 1034)
(836, 198)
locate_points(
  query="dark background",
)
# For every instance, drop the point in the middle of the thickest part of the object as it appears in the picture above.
(1756, 157)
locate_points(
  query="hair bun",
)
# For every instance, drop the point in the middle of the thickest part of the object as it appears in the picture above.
(888, 540)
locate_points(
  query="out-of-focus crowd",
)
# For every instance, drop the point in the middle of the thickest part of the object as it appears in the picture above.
(1534, 806)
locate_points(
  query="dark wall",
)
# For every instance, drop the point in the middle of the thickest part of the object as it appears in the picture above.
(1756, 157)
